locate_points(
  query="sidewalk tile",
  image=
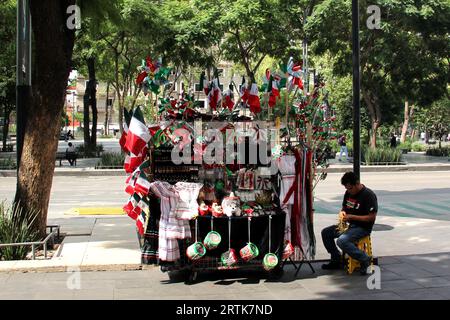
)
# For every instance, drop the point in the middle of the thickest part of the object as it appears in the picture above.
(400, 285)
(419, 294)
(433, 282)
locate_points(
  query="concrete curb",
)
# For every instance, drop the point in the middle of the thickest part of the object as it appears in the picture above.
(74, 173)
(73, 268)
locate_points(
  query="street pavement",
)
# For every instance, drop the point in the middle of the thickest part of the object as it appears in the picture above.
(400, 194)
(410, 239)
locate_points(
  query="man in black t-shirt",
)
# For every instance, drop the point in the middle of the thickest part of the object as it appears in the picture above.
(359, 209)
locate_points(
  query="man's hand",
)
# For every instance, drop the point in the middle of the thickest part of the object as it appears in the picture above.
(343, 216)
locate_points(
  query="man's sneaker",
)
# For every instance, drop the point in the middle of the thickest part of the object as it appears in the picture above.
(333, 265)
(364, 269)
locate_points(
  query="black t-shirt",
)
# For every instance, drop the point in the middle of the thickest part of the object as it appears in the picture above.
(342, 142)
(361, 204)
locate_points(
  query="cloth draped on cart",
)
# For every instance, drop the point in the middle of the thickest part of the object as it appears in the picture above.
(297, 199)
(175, 204)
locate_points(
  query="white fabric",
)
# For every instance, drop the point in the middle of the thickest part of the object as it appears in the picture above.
(187, 206)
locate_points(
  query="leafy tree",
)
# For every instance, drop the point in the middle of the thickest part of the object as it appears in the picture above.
(404, 60)
(52, 56)
(7, 65)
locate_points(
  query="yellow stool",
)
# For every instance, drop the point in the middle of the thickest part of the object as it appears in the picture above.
(365, 244)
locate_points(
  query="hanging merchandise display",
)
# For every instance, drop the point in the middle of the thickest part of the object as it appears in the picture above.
(184, 192)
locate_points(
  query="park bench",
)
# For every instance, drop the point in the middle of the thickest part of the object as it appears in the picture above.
(60, 156)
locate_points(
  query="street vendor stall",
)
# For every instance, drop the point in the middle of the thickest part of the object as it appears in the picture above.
(225, 188)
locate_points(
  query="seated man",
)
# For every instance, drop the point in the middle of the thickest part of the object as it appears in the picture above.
(71, 154)
(359, 209)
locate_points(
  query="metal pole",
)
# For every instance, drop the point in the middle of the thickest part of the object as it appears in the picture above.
(73, 113)
(356, 90)
(23, 77)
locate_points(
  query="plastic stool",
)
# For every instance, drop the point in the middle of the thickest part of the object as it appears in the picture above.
(365, 244)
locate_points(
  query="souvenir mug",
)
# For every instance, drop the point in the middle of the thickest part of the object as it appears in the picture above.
(229, 258)
(196, 251)
(212, 240)
(249, 252)
(270, 261)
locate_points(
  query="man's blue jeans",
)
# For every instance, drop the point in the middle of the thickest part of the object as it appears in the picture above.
(345, 241)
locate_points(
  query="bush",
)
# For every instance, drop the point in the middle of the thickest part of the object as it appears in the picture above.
(90, 152)
(16, 227)
(8, 164)
(382, 156)
(406, 145)
(439, 152)
(418, 147)
(113, 159)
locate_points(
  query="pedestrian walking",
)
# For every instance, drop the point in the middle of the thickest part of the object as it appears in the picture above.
(343, 144)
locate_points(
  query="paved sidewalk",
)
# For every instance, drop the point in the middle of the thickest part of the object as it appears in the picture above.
(402, 277)
(110, 243)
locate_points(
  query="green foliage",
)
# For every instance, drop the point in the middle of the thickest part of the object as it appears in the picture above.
(8, 164)
(382, 156)
(418, 147)
(406, 58)
(89, 152)
(16, 227)
(439, 152)
(406, 145)
(113, 159)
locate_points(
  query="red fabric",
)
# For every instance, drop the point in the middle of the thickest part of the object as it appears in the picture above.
(123, 141)
(296, 188)
(254, 103)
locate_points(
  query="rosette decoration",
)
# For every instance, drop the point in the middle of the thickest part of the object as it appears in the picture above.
(152, 75)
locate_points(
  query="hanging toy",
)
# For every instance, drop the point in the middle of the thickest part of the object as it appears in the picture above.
(270, 260)
(216, 210)
(213, 238)
(229, 258)
(250, 251)
(203, 209)
(196, 250)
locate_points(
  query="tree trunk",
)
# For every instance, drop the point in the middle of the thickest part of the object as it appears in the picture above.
(6, 114)
(53, 48)
(93, 101)
(107, 109)
(408, 116)
(373, 107)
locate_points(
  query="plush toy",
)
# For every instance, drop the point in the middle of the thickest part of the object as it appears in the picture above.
(204, 209)
(216, 210)
(231, 206)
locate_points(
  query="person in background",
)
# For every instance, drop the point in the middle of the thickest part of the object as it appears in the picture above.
(343, 144)
(393, 141)
(71, 154)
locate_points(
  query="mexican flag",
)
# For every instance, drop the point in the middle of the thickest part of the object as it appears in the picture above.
(253, 100)
(204, 83)
(214, 94)
(138, 134)
(229, 98)
(132, 203)
(142, 185)
(136, 161)
(130, 183)
(244, 91)
(144, 204)
(123, 138)
(140, 223)
(127, 164)
(273, 91)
